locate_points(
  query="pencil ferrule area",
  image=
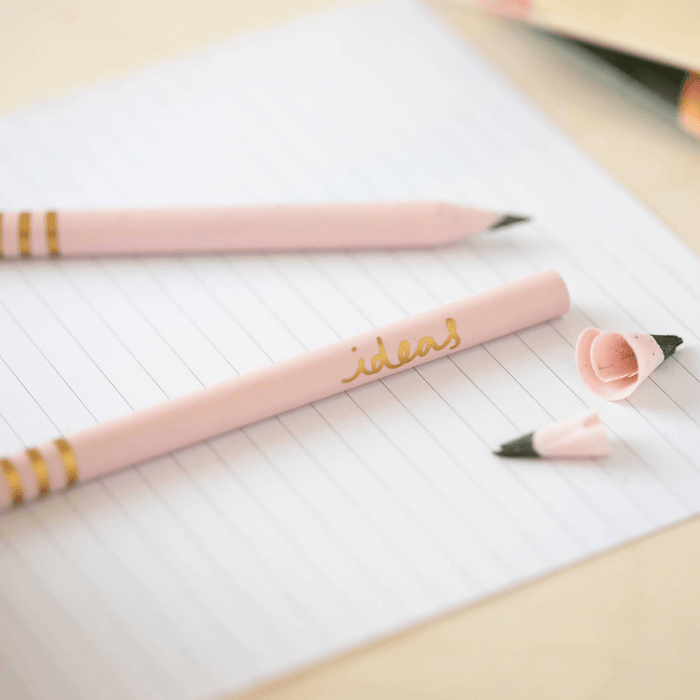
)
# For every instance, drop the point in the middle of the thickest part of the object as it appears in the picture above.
(25, 234)
(13, 481)
(40, 470)
(13, 470)
(52, 234)
(70, 463)
(25, 226)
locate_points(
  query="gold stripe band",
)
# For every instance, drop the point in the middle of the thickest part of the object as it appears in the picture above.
(69, 461)
(41, 471)
(52, 234)
(13, 481)
(24, 234)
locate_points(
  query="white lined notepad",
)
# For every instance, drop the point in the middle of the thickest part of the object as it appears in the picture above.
(264, 550)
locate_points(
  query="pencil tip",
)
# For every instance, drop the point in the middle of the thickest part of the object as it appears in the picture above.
(668, 343)
(520, 447)
(508, 220)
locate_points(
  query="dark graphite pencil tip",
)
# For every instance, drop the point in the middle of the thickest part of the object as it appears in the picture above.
(668, 343)
(520, 447)
(507, 220)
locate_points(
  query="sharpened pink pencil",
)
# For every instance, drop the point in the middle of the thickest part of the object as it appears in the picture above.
(223, 229)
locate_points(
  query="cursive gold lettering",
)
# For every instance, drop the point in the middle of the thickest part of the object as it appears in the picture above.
(380, 360)
(404, 352)
(424, 345)
(452, 328)
(360, 370)
(404, 355)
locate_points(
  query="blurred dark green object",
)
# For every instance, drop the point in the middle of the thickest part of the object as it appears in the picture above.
(666, 81)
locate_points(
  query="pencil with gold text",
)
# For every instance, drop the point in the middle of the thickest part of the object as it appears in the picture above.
(227, 229)
(271, 390)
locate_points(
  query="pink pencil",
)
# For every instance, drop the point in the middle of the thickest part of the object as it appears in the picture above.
(220, 229)
(266, 392)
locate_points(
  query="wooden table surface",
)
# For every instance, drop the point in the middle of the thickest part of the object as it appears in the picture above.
(622, 625)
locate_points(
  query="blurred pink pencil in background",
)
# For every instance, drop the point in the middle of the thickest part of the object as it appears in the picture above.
(222, 229)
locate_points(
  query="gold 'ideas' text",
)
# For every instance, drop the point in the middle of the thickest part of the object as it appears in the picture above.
(404, 354)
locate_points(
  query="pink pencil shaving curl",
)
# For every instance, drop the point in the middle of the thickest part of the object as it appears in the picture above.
(581, 436)
(612, 365)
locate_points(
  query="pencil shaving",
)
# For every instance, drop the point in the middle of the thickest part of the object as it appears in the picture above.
(580, 437)
(612, 365)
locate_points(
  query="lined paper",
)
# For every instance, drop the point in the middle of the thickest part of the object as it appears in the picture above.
(236, 560)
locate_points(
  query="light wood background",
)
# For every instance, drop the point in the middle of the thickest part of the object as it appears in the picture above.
(622, 625)
(667, 31)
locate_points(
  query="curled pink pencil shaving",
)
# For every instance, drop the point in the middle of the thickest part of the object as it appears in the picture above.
(579, 437)
(612, 365)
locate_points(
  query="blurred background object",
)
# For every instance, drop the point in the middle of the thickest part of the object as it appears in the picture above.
(653, 43)
(673, 85)
(663, 31)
